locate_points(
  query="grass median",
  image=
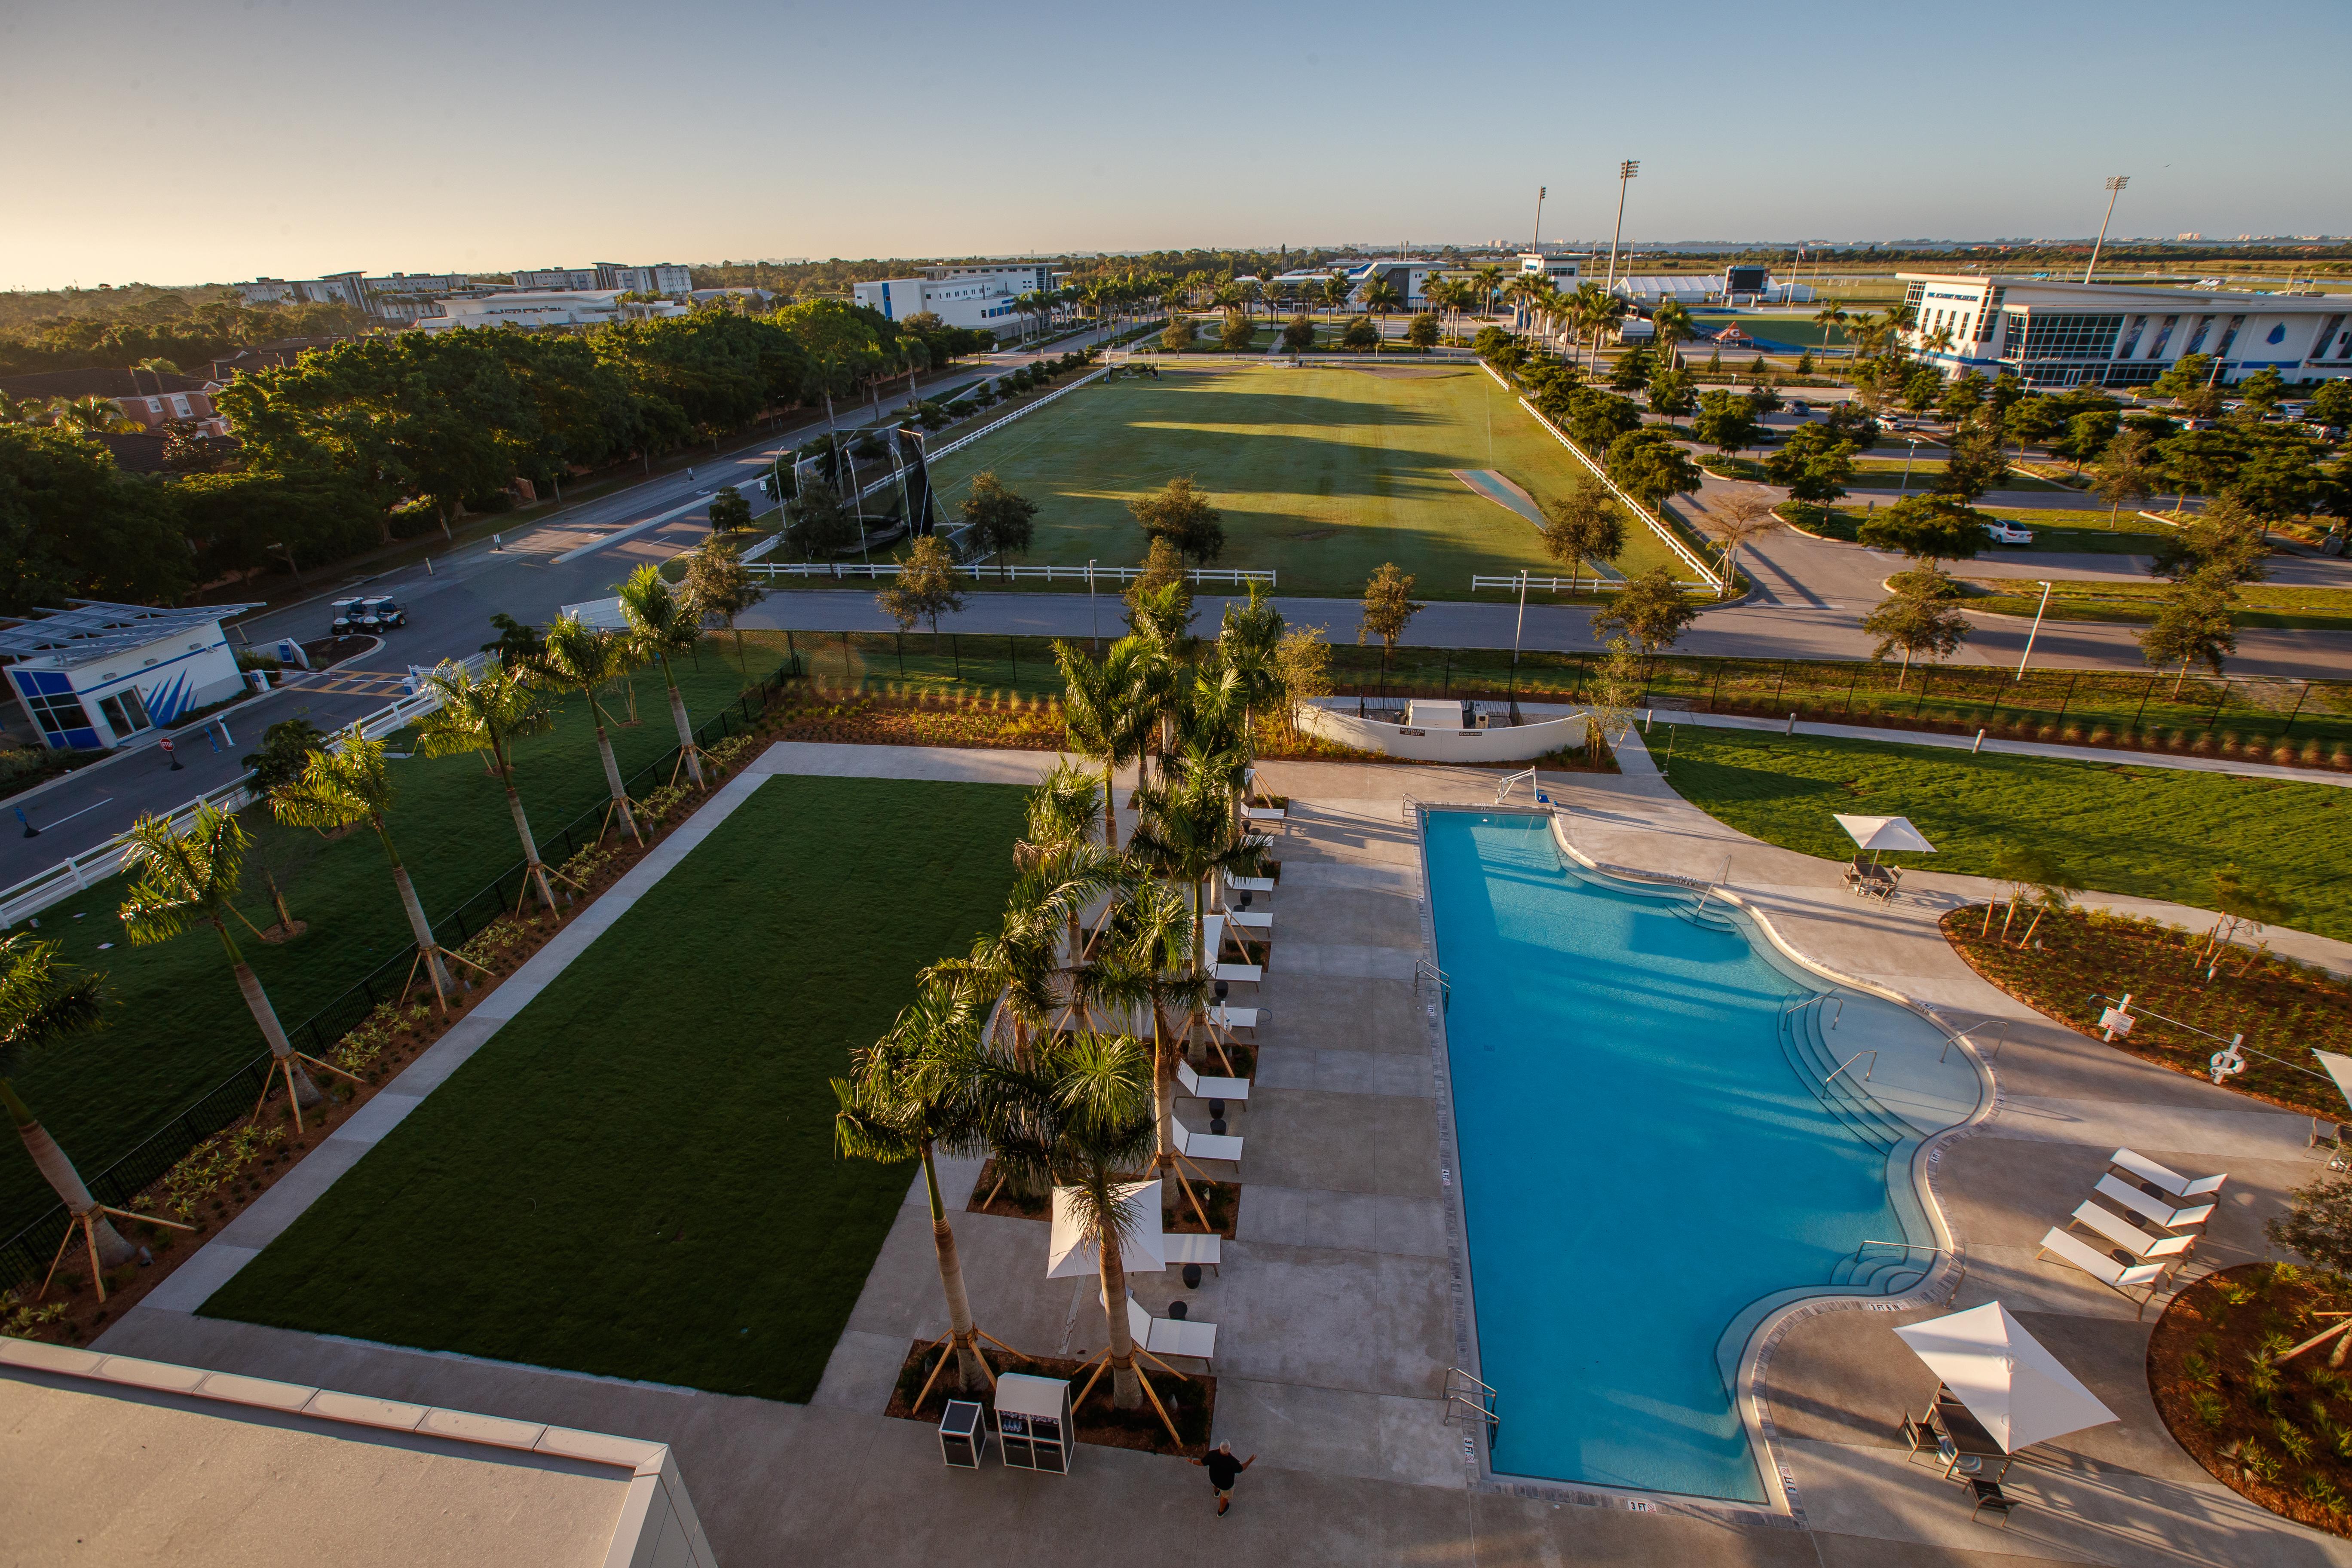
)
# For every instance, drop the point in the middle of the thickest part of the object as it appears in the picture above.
(636, 1176)
(2136, 603)
(2149, 832)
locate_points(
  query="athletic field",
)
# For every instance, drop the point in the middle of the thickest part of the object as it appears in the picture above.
(1321, 474)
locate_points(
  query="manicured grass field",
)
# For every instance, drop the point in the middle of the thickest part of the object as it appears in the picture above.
(2055, 532)
(636, 1176)
(2120, 828)
(1321, 474)
(179, 1028)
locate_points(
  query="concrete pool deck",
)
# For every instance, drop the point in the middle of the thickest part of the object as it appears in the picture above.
(1337, 1306)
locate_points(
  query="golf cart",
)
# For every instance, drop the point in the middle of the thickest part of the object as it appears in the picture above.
(347, 618)
(379, 613)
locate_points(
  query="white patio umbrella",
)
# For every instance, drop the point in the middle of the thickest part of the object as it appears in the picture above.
(2339, 1068)
(2009, 1383)
(1880, 834)
(1070, 1253)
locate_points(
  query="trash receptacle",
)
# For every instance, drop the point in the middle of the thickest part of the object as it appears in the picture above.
(963, 1434)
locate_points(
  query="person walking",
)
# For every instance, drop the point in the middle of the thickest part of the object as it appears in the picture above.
(1223, 1467)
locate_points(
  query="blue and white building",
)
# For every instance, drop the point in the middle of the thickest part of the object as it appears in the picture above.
(2054, 335)
(98, 674)
(982, 300)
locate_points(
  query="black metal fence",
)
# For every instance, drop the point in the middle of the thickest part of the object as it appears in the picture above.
(26, 1257)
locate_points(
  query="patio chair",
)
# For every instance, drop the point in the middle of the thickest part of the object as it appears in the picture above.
(2330, 1135)
(1182, 1247)
(2129, 1237)
(2164, 1179)
(1991, 1499)
(2115, 1276)
(1228, 1017)
(1249, 884)
(2154, 1210)
(1203, 1145)
(1199, 1088)
(1170, 1336)
(1918, 1436)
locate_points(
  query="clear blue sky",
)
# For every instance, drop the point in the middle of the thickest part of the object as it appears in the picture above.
(185, 140)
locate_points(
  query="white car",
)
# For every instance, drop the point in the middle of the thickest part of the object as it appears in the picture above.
(2005, 532)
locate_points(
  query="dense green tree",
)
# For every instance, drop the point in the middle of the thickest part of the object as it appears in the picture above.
(1670, 393)
(1726, 421)
(928, 587)
(2196, 621)
(1002, 521)
(1236, 332)
(2223, 544)
(1360, 335)
(1180, 514)
(72, 527)
(1927, 528)
(2087, 436)
(1974, 465)
(1652, 609)
(1586, 524)
(1388, 608)
(1298, 333)
(1814, 464)
(1920, 618)
(1649, 465)
(1421, 331)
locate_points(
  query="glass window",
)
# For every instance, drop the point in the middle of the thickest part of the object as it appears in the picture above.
(2197, 344)
(126, 711)
(57, 711)
(2230, 336)
(2327, 335)
(2131, 342)
(2066, 337)
(2163, 336)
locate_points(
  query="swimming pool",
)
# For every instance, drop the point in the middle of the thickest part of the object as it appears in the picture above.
(1654, 1148)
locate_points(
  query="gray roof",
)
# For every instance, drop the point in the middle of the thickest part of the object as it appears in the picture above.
(94, 629)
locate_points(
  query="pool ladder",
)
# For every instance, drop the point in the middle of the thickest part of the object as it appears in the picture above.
(1466, 1398)
(1422, 969)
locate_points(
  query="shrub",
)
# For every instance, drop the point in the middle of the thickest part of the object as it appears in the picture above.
(220, 1158)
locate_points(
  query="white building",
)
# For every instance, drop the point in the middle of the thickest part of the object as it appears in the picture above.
(543, 278)
(97, 674)
(394, 297)
(2052, 335)
(1682, 288)
(549, 308)
(1564, 272)
(660, 279)
(977, 299)
(1020, 276)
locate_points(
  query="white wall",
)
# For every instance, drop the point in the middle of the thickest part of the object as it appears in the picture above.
(1505, 744)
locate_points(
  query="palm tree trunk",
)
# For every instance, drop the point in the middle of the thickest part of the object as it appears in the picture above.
(536, 873)
(967, 1344)
(421, 929)
(1110, 802)
(1126, 1386)
(684, 729)
(256, 1001)
(1163, 1091)
(612, 782)
(63, 1179)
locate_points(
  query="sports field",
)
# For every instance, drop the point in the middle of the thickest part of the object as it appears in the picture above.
(1321, 474)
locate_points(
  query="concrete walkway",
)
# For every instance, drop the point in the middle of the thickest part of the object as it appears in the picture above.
(1337, 1308)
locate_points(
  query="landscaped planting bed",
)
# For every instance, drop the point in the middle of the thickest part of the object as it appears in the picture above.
(636, 1175)
(2285, 1009)
(1190, 1399)
(2279, 1434)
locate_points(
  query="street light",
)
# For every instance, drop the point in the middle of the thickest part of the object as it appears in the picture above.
(2115, 184)
(1626, 170)
(1907, 467)
(2035, 632)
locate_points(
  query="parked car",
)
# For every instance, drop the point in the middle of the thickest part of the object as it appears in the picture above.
(347, 618)
(2003, 531)
(379, 613)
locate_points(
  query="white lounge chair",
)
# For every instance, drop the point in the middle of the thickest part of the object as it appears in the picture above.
(1170, 1336)
(2115, 1276)
(1200, 1088)
(1225, 1017)
(1182, 1247)
(2129, 1237)
(1248, 974)
(2170, 1180)
(1203, 1145)
(2154, 1210)
(1253, 920)
(1249, 884)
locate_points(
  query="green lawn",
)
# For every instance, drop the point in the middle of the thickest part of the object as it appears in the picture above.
(2121, 828)
(1887, 474)
(636, 1177)
(2319, 609)
(179, 1028)
(2057, 531)
(1321, 474)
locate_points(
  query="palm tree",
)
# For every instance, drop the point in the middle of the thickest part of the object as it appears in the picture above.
(580, 659)
(1603, 312)
(1831, 316)
(44, 1002)
(93, 414)
(188, 880)
(1102, 705)
(1079, 1116)
(1153, 941)
(1188, 831)
(909, 1094)
(490, 715)
(1379, 298)
(1063, 811)
(663, 625)
(1490, 283)
(1335, 290)
(1673, 323)
(351, 785)
(1521, 292)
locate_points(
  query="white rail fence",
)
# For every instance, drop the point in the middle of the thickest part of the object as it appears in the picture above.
(80, 872)
(1588, 582)
(1682, 552)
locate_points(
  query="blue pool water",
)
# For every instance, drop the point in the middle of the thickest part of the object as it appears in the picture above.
(1641, 1159)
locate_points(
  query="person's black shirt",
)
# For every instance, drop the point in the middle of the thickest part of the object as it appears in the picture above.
(1222, 1468)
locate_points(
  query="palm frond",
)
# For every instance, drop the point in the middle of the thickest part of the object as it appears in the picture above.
(43, 1000)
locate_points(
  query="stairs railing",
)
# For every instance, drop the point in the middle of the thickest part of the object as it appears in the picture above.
(1467, 1398)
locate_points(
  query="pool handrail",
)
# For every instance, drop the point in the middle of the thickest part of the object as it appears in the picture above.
(1850, 1061)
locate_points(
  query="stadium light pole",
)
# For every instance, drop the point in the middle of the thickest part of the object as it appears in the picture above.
(2115, 184)
(1537, 243)
(1626, 172)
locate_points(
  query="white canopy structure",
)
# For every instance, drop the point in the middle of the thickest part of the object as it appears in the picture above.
(2339, 1068)
(1070, 1253)
(2009, 1383)
(1881, 833)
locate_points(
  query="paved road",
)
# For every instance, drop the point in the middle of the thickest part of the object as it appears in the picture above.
(576, 554)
